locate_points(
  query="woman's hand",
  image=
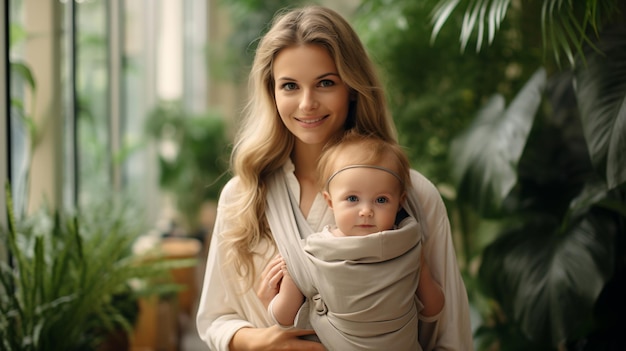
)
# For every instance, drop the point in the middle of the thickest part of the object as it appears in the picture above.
(271, 277)
(273, 338)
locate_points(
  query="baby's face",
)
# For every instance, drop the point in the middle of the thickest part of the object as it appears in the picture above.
(364, 200)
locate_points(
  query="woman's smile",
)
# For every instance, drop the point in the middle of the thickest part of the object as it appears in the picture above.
(310, 121)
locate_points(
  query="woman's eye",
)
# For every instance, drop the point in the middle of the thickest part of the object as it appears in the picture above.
(290, 86)
(352, 198)
(326, 83)
(382, 200)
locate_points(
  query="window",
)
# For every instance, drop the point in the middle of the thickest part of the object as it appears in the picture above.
(98, 68)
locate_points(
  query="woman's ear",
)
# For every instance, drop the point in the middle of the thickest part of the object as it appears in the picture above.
(328, 199)
(353, 95)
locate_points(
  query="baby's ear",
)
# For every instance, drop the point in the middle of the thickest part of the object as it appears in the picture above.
(402, 200)
(328, 199)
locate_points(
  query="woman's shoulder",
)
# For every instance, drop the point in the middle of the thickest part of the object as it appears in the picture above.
(426, 202)
(422, 185)
(233, 190)
(229, 191)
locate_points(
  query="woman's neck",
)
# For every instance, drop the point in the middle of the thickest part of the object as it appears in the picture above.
(304, 158)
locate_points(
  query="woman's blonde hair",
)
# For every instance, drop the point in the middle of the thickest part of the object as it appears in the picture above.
(263, 143)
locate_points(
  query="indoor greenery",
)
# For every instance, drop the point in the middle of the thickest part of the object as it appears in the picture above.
(549, 167)
(433, 88)
(193, 152)
(537, 208)
(72, 279)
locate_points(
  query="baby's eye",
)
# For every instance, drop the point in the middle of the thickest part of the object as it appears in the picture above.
(326, 83)
(382, 200)
(352, 198)
(289, 86)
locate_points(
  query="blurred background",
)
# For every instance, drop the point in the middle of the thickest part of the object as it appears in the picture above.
(116, 125)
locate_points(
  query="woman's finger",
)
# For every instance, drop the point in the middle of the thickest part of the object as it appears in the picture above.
(290, 340)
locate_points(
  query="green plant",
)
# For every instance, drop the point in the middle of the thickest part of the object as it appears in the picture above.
(566, 26)
(193, 157)
(433, 89)
(73, 279)
(550, 167)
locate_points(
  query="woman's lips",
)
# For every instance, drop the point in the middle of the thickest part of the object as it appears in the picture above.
(311, 122)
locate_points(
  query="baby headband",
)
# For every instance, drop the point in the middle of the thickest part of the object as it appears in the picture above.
(384, 169)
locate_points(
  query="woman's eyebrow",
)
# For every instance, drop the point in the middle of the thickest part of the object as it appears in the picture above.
(316, 78)
(328, 74)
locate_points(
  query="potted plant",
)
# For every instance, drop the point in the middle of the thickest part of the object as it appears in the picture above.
(72, 279)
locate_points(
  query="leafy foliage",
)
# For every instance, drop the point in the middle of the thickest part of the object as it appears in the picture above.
(434, 88)
(502, 135)
(478, 15)
(562, 243)
(565, 25)
(193, 157)
(601, 94)
(550, 276)
(69, 281)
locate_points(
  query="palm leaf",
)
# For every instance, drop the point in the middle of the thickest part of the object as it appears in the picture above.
(548, 279)
(601, 94)
(482, 17)
(565, 25)
(484, 158)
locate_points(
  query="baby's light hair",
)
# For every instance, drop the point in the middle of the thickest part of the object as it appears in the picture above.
(372, 151)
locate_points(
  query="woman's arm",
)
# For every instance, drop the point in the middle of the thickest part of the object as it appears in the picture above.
(231, 320)
(452, 329)
(219, 314)
(273, 338)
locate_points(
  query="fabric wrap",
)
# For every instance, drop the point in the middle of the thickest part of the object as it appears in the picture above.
(360, 291)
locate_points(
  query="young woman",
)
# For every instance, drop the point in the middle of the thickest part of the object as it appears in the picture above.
(311, 81)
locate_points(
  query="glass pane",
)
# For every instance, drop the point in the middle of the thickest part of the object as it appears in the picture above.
(139, 42)
(68, 104)
(4, 122)
(21, 83)
(92, 89)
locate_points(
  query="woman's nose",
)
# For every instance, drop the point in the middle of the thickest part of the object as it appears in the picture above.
(309, 101)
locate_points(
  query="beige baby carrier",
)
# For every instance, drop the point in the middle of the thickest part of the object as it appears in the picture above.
(360, 291)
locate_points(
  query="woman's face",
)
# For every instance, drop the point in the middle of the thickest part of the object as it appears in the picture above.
(311, 98)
